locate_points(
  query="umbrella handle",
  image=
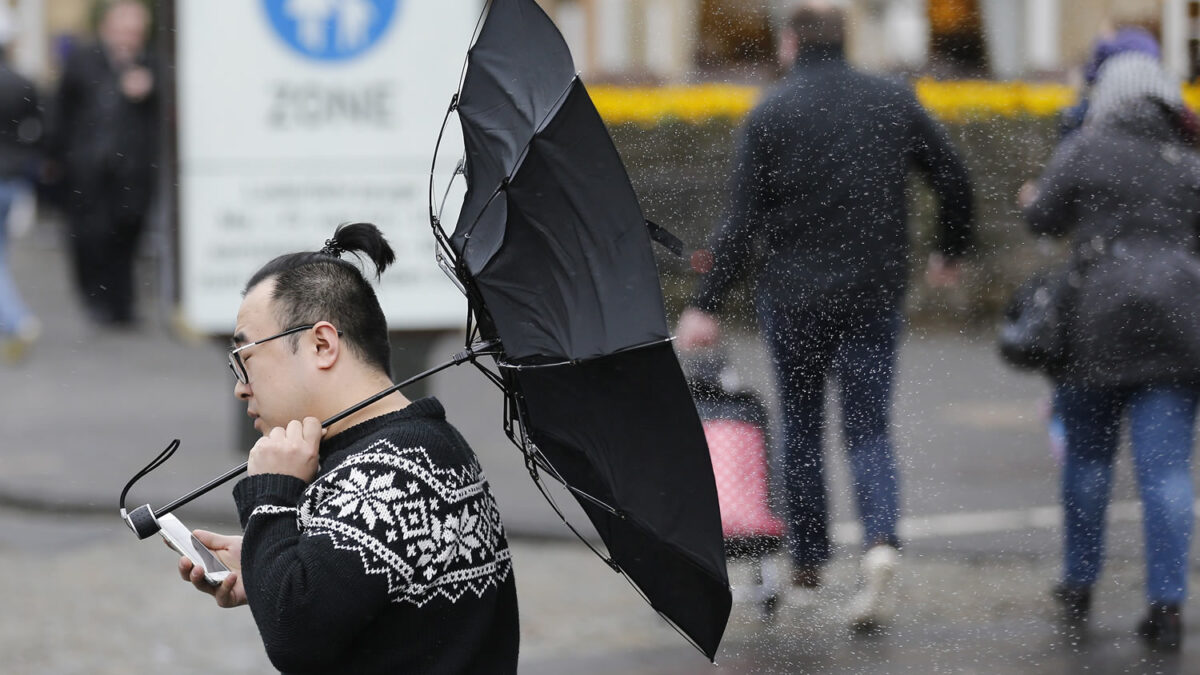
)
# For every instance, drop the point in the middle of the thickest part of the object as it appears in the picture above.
(144, 520)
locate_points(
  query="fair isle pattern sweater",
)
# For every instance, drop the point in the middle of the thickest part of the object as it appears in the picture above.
(393, 560)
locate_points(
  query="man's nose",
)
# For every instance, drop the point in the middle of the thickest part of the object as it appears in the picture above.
(241, 390)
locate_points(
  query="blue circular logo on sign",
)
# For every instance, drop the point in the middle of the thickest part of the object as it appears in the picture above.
(331, 30)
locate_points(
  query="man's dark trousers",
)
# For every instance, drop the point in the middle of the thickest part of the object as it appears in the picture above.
(852, 336)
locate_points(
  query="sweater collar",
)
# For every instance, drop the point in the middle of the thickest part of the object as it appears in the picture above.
(428, 407)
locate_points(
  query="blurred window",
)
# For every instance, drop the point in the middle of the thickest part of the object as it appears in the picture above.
(733, 34)
(956, 44)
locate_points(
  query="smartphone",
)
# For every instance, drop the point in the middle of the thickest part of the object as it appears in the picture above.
(180, 538)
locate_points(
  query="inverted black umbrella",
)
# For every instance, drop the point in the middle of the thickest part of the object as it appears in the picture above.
(554, 254)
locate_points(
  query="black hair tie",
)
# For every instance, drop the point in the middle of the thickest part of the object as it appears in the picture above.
(333, 248)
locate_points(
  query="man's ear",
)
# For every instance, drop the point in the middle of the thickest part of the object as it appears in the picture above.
(326, 344)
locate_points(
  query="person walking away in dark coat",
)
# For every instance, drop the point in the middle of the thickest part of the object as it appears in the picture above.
(1126, 191)
(818, 208)
(105, 146)
(20, 136)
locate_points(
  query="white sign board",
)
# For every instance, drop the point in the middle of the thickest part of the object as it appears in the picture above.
(297, 115)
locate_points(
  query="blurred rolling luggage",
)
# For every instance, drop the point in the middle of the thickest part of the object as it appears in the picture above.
(735, 426)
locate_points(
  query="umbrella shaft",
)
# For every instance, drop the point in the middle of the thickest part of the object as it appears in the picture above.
(461, 357)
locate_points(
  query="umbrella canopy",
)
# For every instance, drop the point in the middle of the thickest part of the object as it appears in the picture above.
(550, 231)
(554, 251)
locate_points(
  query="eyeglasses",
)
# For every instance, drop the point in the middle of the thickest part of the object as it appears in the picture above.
(235, 358)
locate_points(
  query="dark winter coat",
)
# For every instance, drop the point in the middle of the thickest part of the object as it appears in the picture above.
(20, 125)
(1127, 193)
(106, 143)
(818, 194)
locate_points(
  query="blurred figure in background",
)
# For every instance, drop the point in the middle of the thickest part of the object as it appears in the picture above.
(20, 135)
(1109, 43)
(818, 208)
(105, 146)
(1126, 190)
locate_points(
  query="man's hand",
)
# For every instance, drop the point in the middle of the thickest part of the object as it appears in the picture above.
(228, 550)
(136, 83)
(291, 452)
(1028, 194)
(696, 330)
(942, 273)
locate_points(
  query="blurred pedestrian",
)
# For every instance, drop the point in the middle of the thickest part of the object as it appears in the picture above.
(1125, 190)
(105, 146)
(20, 136)
(373, 546)
(1109, 43)
(818, 209)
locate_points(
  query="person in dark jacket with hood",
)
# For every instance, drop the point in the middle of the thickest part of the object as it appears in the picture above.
(1126, 191)
(818, 207)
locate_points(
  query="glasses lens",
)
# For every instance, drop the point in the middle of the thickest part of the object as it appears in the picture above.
(239, 370)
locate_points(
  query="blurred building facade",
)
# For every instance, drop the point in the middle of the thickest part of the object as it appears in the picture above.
(683, 41)
(677, 41)
(45, 30)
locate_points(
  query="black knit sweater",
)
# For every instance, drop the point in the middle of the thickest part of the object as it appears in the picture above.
(393, 560)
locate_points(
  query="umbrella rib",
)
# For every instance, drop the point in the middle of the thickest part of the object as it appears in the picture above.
(492, 377)
(462, 74)
(607, 559)
(586, 359)
(541, 460)
(659, 612)
(435, 219)
(443, 240)
(554, 505)
(523, 153)
(534, 454)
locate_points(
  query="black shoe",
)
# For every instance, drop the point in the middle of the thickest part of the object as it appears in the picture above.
(1162, 628)
(1074, 602)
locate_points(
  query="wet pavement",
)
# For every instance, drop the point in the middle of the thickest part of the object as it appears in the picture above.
(84, 596)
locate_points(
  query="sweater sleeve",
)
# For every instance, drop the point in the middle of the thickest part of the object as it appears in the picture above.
(308, 598)
(935, 156)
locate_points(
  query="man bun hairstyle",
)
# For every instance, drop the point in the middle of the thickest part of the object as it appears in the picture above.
(361, 239)
(319, 285)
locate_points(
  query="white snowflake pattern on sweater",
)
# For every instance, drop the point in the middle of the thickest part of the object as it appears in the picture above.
(430, 531)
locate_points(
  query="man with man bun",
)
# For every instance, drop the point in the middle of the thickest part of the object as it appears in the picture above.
(372, 546)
